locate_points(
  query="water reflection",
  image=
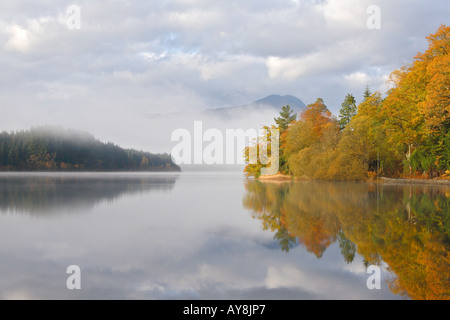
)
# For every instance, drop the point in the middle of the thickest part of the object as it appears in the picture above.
(406, 227)
(50, 193)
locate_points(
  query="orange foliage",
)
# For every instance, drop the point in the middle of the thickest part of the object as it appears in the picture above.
(318, 115)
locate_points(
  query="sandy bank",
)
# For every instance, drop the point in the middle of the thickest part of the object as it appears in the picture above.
(277, 177)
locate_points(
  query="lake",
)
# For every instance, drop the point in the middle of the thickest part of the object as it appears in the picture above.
(220, 236)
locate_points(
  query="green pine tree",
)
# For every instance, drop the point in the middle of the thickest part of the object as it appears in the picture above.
(367, 93)
(287, 116)
(348, 111)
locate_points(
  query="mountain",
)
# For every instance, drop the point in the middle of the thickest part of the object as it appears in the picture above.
(273, 101)
(277, 101)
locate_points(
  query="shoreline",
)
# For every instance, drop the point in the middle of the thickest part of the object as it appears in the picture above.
(414, 181)
(382, 180)
(278, 177)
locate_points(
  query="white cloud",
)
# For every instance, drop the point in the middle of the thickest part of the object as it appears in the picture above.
(322, 281)
(34, 32)
(227, 66)
(195, 19)
(18, 38)
(324, 61)
(356, 78)
(285, 277)
(349, 13)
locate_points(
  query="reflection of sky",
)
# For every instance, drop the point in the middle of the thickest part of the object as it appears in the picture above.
(195, 241)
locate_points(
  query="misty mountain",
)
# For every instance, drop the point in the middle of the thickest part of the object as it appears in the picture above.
(254, 116)
(273, 102)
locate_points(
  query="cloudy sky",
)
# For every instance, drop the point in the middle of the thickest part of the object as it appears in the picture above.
(129, 58)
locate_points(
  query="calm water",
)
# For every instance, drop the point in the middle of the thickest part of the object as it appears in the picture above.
(219, 236)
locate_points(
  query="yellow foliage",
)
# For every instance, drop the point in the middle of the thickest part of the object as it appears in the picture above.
(371, 175)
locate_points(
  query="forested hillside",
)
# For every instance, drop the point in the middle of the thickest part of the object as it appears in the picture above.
(56, 149)
(405, 133)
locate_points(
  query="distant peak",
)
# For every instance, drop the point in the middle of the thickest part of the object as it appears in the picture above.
(277, 96)
(277, 101)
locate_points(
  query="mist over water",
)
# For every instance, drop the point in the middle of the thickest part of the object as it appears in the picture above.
(202, 236)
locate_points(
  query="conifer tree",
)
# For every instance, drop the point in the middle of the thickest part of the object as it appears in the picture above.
(348, 111)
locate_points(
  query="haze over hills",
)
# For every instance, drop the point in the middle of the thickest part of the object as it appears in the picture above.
(252, 116)
(160, 128)
(68, 149)
(277, 101)
(273, 101)
(155, 133)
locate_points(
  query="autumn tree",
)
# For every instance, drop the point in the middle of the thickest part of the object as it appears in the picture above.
(417, 108)
(358, 145)
(309, 128)
(259, 154)
(311, 140)
(436, 104)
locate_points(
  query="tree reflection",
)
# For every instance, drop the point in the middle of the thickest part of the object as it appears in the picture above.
(55, 193)
(407, 227)
(266, 201)
(348, 248)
